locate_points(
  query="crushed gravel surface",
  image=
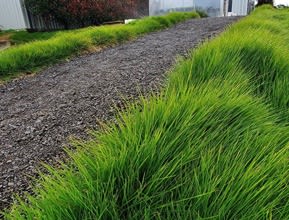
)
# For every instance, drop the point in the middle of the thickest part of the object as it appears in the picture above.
(38, 114)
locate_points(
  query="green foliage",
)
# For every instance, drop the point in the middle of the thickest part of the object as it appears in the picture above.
(21, 37)
(214, 144)
(63, 44)
(85, 12)
(263, 2)
(202, 13)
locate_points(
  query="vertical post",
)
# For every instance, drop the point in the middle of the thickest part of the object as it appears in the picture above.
(25, 14)
(225, 7)
(248, 6)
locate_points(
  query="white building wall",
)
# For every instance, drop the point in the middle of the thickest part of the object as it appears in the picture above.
(214, 8)
(157, 7)
(11, 15)
(240, 7)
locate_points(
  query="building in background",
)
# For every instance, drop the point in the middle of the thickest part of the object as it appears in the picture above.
(13, 15)
(159, 7)
(217, 8)
(214, 8)
(239, 7)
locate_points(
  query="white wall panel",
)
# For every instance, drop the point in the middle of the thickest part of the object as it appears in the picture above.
(214, 8)
(240, 7)
(11, 15)
(157, 7)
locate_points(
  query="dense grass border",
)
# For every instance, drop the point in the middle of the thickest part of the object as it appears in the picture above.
(213, 145)
(29, 56)
(17, 37)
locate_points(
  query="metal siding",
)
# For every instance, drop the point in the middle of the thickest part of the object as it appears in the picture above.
(11, 15)
(214, 8)
(157, 7)
(25, 14)
(240, 7)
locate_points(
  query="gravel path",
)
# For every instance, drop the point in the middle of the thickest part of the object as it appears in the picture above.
(39, 113)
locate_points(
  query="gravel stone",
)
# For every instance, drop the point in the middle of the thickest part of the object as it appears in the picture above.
(39, 113)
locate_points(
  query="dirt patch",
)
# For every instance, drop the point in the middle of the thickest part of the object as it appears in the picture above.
(39, 113)
(5, 37)
(4, 44)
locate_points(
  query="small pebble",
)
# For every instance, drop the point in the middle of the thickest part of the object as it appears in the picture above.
(10, 184)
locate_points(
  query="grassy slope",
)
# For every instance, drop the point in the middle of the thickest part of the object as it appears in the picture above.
(212, 145)
(35, 54)
(21, 37)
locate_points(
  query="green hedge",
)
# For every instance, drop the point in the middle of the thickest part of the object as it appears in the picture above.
(39, 53)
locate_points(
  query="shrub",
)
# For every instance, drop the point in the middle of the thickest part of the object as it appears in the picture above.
(84, 12)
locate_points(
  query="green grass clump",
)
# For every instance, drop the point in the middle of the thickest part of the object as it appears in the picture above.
(214, 144)
(40, 53)
(59, 45)
(21, 37)
(196, 154)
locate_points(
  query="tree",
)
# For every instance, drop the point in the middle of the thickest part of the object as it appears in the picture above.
(262, 2)
(142, 8)
(83, 12)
